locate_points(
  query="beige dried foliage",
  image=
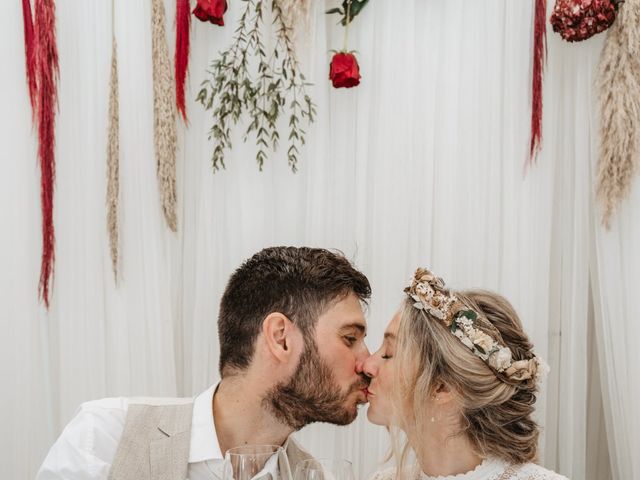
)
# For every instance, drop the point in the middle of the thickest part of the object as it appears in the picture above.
(618, 84)
(113, 161)
(164, 113)
(297, 15)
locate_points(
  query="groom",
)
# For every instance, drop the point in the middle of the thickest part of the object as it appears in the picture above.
(291, 331)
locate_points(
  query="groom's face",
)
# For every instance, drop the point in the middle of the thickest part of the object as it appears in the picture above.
(328, 384)
(339, 335)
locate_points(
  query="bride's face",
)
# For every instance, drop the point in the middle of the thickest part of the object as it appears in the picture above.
(379, 367)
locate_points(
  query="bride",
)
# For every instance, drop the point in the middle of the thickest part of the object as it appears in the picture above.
(456, 378)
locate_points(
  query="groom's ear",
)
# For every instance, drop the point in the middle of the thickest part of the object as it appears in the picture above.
(280, 336)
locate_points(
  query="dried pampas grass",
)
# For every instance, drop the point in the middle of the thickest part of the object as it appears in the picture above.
(113, 161)
(164, 112)
(619, 99)
(297, 15)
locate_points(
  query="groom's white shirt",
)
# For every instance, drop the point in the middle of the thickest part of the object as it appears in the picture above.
(87, 446)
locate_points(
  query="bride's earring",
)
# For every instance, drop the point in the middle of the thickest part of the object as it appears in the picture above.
(433, 418)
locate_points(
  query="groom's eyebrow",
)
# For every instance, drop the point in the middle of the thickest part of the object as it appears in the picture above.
(362, 329)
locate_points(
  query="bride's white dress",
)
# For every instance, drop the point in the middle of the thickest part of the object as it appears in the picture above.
(489, 469)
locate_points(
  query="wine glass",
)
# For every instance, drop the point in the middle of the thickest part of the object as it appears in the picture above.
(324, 469)
(267, 462)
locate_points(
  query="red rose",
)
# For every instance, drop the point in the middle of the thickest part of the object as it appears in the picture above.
(211, 11)
(344, 70)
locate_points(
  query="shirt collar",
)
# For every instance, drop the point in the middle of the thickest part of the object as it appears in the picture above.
(204, 440)
(204, 443)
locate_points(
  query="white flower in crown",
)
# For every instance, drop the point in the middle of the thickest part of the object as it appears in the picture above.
(542, 369)
(482, 340)
(468, 343)
(418, 302)
(500, 360)
(425, 289)
(429, 295)
(464, 321)
(439, 314)
(460, 333)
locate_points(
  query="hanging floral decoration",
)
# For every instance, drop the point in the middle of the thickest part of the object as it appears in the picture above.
(206, 11)
(264, 86)
(349, 10)
(42, 77)
(297, 15)
(181, 58)
(577, 20)
(113, 151)
(41, 60)
(618, 84)
(30, 53)
(164, 113)
(211, 11)
(539, 54)
(344, 70)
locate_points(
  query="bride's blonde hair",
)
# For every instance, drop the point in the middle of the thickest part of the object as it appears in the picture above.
(495, 410)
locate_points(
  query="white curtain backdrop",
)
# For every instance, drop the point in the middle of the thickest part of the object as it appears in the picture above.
(422, 164)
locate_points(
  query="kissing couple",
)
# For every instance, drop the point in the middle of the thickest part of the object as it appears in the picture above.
(454, 381)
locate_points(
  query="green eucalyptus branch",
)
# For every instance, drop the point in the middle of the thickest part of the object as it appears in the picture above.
(274, 87)
(349, 10)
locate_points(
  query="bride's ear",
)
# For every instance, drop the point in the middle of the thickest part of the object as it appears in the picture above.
(441, 393)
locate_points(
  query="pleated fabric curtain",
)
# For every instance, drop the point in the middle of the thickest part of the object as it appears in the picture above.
(423, 163)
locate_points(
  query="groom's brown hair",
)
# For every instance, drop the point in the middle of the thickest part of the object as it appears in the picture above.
(299, 282)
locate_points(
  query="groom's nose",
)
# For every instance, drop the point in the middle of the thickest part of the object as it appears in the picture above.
(370, 366)
(363, 354)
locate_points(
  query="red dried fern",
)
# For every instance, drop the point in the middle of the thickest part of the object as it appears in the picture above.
(539, 53)
(30, 53)
(183, 22)
(47, 78)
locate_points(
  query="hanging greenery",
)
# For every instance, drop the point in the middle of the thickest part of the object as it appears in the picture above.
(264, 86)
(349, 10)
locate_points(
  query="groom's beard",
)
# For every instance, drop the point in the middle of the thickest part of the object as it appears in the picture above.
(312, 395)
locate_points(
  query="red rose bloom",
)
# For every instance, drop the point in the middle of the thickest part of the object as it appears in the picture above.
(344, 70)
(211, 11)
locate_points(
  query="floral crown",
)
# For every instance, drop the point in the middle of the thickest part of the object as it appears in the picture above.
(430, 296)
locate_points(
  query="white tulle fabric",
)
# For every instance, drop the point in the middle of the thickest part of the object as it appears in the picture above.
(422, 164)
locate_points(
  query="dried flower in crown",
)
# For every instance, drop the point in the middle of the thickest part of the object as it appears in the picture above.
(431, 296)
